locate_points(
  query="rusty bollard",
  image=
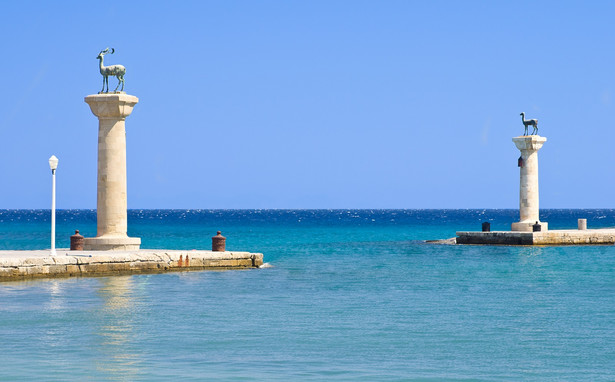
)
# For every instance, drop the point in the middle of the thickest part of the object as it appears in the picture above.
(180, 262)
(218, 243)
(76, 242)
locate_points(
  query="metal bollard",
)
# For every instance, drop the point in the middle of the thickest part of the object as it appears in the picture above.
(486, 227)
(218, 243)
(536, 227)
(76, 242)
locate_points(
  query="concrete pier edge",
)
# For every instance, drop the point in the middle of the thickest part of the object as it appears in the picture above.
(605, 236)
(19, 265)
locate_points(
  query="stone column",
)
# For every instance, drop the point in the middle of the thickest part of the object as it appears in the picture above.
(528, 188)
(111, 204)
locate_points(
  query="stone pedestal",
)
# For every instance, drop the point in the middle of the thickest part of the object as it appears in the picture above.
(528, 188)
(582, 224)
(111, 205)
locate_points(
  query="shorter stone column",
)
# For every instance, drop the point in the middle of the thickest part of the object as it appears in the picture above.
(582, 224)
(111, 204)
(528, 187)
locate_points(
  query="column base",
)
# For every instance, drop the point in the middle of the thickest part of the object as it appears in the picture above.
(111, 243)
(528, 227)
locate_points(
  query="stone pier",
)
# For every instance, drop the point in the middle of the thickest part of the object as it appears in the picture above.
(528, 187)
(19, 265)
(111, 204)
(604, 236)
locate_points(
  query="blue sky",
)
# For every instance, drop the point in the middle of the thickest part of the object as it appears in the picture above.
(313, 104)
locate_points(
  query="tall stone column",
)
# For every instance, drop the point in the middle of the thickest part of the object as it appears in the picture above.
(528, 187)
(111, 204)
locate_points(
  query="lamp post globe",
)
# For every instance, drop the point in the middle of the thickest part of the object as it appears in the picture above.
(53, 163)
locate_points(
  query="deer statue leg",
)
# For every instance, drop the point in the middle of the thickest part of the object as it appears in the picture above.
(120, 80)
(118, 83)
(103, 88)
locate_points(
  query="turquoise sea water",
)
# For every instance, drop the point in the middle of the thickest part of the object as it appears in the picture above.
(350, 295)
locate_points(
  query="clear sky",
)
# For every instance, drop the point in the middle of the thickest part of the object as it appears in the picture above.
(312, 104)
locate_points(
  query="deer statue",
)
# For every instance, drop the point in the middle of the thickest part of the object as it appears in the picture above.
(113, 70)
(529, 122)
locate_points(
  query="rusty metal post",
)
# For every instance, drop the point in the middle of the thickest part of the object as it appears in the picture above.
(76, 242)
(218, 243)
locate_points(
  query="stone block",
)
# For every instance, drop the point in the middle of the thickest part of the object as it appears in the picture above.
(36, 261)
(32, 270)
(57, 269)
(65, 260)
(12, 262)
(116, 106)
(6, 272)
(196, 261)
(528, 226)
(257, 259)
(146, 265)
(93, 268)
(111, 243)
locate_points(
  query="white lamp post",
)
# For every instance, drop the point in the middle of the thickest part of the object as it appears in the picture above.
(53, 164)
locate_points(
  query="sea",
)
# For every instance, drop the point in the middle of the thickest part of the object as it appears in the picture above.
(345, 295)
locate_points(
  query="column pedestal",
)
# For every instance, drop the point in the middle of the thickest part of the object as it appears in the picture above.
(528, 187)
(111, 204)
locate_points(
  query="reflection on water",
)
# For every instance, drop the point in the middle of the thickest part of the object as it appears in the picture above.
(57, 300)
(119, 357)
(532, 260)
(528, 253)
(54, 307)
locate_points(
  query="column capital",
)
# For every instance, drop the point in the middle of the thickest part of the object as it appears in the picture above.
(529, 142)
(111, 105)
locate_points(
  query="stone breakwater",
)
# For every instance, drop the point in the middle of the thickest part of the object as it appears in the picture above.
(15, 265)
(551, 237)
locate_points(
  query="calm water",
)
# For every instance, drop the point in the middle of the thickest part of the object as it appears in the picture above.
(351, 295)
